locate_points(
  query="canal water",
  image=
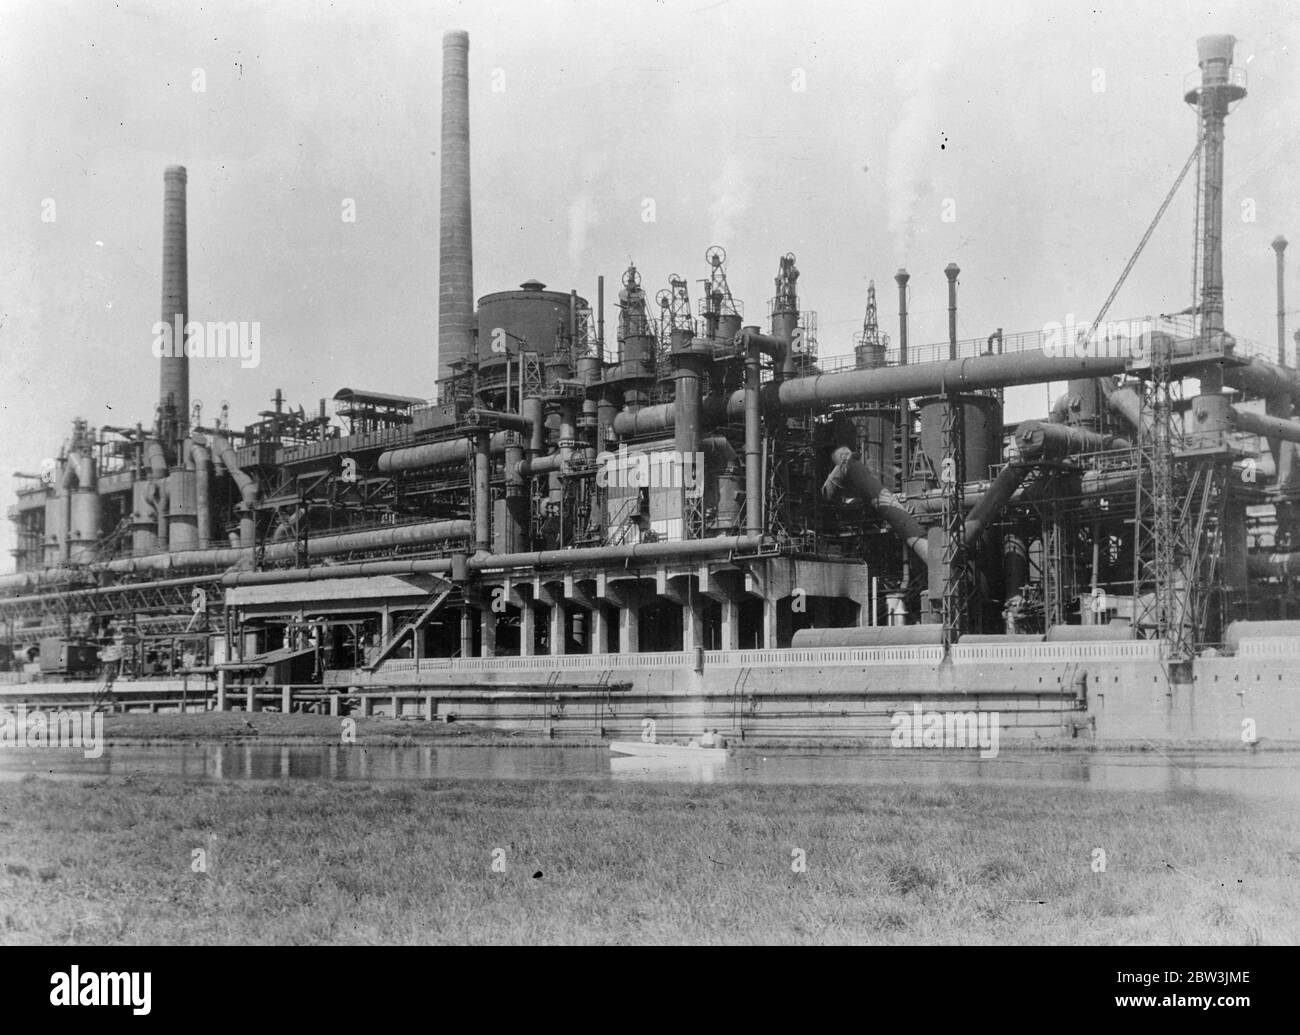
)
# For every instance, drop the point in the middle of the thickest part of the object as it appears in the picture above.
(1254, 776)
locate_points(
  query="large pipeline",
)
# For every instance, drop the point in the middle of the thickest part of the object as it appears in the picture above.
(157, 461)
(435, 454)
(882, 384)
(362, 569)
(854, 478)
(323, 546)
(823, 391)
(202, 460)
(754, 343)
(482, 491)
(1269, 427)
(247, 486)
(1263, 379)
(648, 420)
(512, 421)
(604, 555)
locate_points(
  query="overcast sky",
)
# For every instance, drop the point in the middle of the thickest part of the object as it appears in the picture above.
(1054, 128)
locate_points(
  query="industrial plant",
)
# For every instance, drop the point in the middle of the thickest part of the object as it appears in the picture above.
(656, 502)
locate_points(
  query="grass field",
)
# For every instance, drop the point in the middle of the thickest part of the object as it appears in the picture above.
(112, 861)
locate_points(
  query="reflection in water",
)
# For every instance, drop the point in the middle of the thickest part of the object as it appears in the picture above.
(678, 770)
(1255, 776)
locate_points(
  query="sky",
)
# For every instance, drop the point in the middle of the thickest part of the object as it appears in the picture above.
(1029, 142)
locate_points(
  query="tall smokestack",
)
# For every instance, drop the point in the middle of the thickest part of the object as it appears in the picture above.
(174, 390)
(456, 253)
(950, 271)
(1221, 86)
(902, 277)
(1279, 246)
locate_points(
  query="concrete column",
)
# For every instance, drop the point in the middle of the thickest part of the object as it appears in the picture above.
(557, 628)
(692, 625)
(730, 624)
(286, 700)
(334, 705)
(770, 610)
(221, 689)
(488, 629)
(527, 630)
(252, 697)
(629, 638)
(466, 633)
(397, 707)
(599, 630)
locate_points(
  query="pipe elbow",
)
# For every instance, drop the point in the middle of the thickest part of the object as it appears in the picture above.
(752, 340)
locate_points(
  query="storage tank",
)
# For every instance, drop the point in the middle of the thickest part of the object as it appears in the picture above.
(983, 432)
(85, 511)
(1238, 631)
(875, 427)
(182, 511)
(870, 636)
(56, 532)
(144, 525)
(1116, 629)
(531, 313)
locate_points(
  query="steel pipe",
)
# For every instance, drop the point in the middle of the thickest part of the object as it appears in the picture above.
(660, 553)
(852, 477)
(434, 454)
(323, 546)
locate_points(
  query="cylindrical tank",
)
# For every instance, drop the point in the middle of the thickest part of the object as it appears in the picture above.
(183, 511)
(869, 636)
(638, 353)
(1084, 401)
(1118, 629)
(144, 525)
(875, 427)
(558, 369)
(980, 639)
(532, 313)
(729, 326)
(1238, 631)
(983, 432)
(55, 527)
(84, 511)
(1015, 565)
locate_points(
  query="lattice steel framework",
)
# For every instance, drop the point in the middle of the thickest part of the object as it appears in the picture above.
(958, 583)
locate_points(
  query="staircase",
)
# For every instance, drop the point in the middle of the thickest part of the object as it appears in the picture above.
(622, 521)
(446, 593)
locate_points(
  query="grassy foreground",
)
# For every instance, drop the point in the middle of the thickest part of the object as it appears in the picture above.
(112, 862)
